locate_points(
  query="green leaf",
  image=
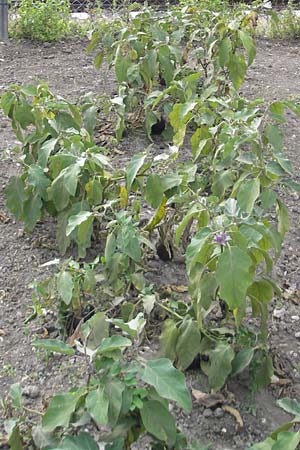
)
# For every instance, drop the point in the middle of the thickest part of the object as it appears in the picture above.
(76, 220)
(97, 403)
(179, 117)
(114, 390)
(225, 49)
(95, 330)
(261, 291)
(60, 410)
(219, 368)
(15, 439)
(113, 343)
(84, 441)
(287, 440)
(133, 167)
(208, 289)
(237, 70)
(274, 136)
(159, 422)
(248, 44)
(242, 360)
(283, 218)
(188, 343)
(168, 381)
(45, 151)
(15, 393)
(37, 178)
(98, 60)
(289, 405)
(15, 196)
(65, 286)
(168, 339)
(233, 276)
(248, 194)
(54, 345)
(154, 190)
(32, 211)
(265, 445)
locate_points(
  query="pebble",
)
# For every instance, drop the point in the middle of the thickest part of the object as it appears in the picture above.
(279, 313)
(207, 413)
(297, 335)
(219, 412)
(295, 318)
(31, 391)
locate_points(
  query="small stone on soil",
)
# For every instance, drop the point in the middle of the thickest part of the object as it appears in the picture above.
(31, 391)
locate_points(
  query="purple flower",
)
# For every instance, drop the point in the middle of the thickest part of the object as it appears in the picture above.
(221, 238)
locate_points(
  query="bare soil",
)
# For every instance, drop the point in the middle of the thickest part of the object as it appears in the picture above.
(69, 71)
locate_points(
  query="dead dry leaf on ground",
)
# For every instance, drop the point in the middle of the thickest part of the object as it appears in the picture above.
(235, 413)
(208, 400)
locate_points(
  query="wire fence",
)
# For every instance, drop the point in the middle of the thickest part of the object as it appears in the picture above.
(91, 5)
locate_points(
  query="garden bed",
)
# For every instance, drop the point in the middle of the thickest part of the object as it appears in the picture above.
(70, 72)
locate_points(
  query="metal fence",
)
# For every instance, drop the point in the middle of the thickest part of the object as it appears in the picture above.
(90, 5)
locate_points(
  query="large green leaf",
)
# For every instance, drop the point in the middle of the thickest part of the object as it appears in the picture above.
(154, 190)
(76, 220)
(242, 360)
(188, 343)
(248, 44)
(15, 196)
(168, 381)
(97, 403)
(287, 440)
(159, 422)
(54, 345)
(225, 50)
(37, 178)
(84, 441)
(237, 69)
(133, 167)
(168, 339)
(291, 406)
(233, 276)
(219, 368)
(60, 410)
(248, 194)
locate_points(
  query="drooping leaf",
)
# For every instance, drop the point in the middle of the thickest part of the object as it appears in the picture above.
(84, 441)
(60, 410)
(159, 422)
(76, 220)
(168, 381)
(54, 345)
(97, 403)
(188, 343)
(15, 196)
(237, 69)
(133, 167)
(219, 368)
(242, 360)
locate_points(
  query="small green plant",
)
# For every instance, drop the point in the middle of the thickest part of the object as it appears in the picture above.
(122, 398)
(44, 21)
